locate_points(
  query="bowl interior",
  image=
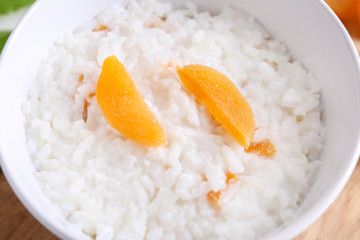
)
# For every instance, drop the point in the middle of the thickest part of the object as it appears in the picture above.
(310, 30)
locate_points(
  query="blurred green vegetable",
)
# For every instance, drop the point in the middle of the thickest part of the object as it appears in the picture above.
(3, 37)
(12, 5)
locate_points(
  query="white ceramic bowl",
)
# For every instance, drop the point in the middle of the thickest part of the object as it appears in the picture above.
(311, 31)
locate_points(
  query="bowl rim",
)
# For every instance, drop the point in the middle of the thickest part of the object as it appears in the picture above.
(49, 224)
(292, 230)
(318, 209)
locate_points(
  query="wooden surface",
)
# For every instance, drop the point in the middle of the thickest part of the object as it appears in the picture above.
(15, 221)
(340, 221)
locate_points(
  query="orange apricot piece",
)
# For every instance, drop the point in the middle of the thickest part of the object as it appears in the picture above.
(222, 98)
(358, 11)
(124, 108)
(344, 9)
(264, 148)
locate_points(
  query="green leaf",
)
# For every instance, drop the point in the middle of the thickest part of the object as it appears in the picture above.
(3, 37)
(12, 5)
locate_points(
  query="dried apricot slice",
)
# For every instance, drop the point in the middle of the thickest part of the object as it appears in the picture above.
(344, 9)
(222, 98)
(358, 15)
(124, 108)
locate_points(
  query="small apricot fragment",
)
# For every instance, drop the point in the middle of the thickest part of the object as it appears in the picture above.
(100, 27)
(86, 106)
(85, 110)
(231, 178)
(214, 197)
(81, 78)
(124, 108)
(222, 98)
(264, 148)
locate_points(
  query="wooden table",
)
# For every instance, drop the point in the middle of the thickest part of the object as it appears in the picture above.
(340, 221)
